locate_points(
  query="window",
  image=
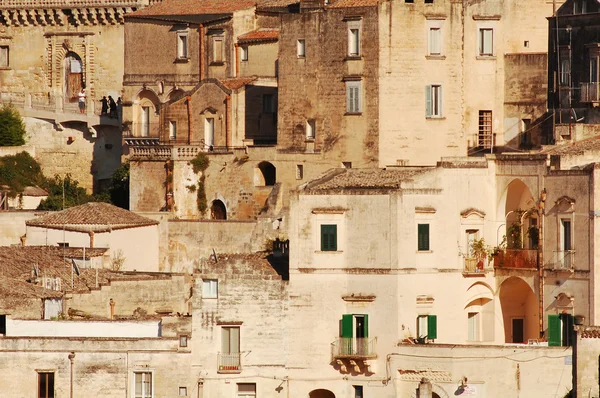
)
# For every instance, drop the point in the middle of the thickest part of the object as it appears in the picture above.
(311, 129)
(560, 330)
(433, 101)
(143, 387)
(423, 237)
(594, 70)
(299, 172)
(182, 45)
(353, 97)
(354, 333)
(230, 349)
(268, 103)
(486, 42)
(428, 1)
(210, 288)
(183, 391)
(435, 41)
(347, 165)
(246, 390)
(244, 53)
(579, 7)
(145, 121)
(353, 38)
(358, 391)
(565, 233)
(217, 49)
(472, 235)
(328, 238)
(565, 72)
(473, 318)
(525, 133)
(183, 341)
(4, 57)
(427, 327)
(2, 324)
(172, 129)
(209, 132)
(301, 48)
(484, 137)
(46, 385)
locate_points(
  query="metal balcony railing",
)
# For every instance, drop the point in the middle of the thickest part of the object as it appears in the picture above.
(474, 265)
(229, 362)
(353, 348)
(589, 92)
(564, 260)
(516, 258)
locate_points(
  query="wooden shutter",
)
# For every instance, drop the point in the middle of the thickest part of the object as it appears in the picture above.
(347, 325)
(366, 326)
(428, 107)
(567, 329)
(423, 237)
(349, 99)
(439, 101)
(432, 327)
(554, 331)
(328, 237)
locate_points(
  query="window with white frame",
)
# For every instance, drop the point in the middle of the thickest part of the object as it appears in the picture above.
(183, 391)
(435, 40)
(244, 53)
(218, 48)
(210, 288)
(433, 101)
(182, 45)
(172, 129)
(301, 48)
(246, 390)
(486, 42)
(45, 384)
(353, 97)
(4, 57)
(183, 341)
(565, 72)
(142, 385)
(354, 28)
(311, 129)
(473, 325)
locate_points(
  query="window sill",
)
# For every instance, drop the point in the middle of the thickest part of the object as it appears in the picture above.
(353, 58)
(328, 251)
(209, 298)
(435, 118)
(5, 68)
(301, 56)
(353, 114)
(486, 57)
(425, 251)
(226, 371)
(182, 60)
(435, 57)
(309, 139)
(217, 63)
(243, 60)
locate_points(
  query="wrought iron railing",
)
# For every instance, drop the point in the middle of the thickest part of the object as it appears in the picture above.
(564, 260)
(229, 362)
(589, 92)
(353, 347)
(516, 258)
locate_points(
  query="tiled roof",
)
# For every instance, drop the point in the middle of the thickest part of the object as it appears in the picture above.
(588, 332)
(34, 191)
(93, 216)
(193, 7)
(576, 148)
(241, 262)
(364, 179)
(260, 35)
(354, 3)
(275, 4)
(15, 290)
(237, 83)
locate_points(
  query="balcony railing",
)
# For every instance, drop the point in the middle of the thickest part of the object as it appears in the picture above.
(353, 348)
(229, 363)
(474, 265)
(516, 258)
(564, 260)
(589, 92)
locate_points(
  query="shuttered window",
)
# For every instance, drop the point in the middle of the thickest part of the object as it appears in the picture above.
(435, 41)
(423, 237)
(328, 238)
(427, 327)
(486, 42)
(554, 331)
(433, 101)
(353, 97)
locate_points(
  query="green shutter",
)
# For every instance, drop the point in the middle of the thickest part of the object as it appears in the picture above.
(423, 237)
(440, 101)
(428, 107)
(347, 325)
(431, 327)
(567, 329)
(366, 328)
(554, 326)
(328, 237)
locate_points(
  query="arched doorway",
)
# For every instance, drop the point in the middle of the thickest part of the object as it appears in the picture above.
(518, 213)
(519, 311)
(146, 123)
(218, 210)
(73, 75)
(479, 312)
(321, 393)
(267, 174)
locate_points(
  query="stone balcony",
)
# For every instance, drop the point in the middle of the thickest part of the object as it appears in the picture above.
(516, 259)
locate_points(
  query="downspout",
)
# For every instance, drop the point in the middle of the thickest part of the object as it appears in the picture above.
(91, 233)
(237, 59)
(542, 212)
(189, 117)
(71, 360)
(227, 121)
(200, 52)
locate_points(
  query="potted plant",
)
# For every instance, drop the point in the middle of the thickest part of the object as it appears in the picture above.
(480, 252)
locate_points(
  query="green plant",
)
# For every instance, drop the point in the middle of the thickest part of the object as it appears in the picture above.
(119, 187)
(201, 196)
(12, 128)
(534, 234)
(117, 260)
(20, 171)
(480, 250)
(191, 188)
(74, 195)
(200, 162)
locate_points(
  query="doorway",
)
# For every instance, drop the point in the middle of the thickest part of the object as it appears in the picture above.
(518, 330)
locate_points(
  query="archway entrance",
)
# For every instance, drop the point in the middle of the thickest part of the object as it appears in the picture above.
(218, 210)
(73, 71)
(519, 311)
(267, 175)
(321, 393)
(519, 221)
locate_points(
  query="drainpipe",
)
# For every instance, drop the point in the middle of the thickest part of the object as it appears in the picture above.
(542, 212)
(71, 360)
(200, 52)
(227, 121)
(237, 59)
(189, 117)
(91, 233)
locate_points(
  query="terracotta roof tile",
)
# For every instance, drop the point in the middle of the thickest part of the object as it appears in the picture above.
(364, 179)
(237, 83)
(576, 148)
(588, 332)
(34, 191)
(93, 216)
(193, 7)
(259, 35)
(354, 3)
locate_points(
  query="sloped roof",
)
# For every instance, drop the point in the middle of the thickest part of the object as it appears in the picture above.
(364, 179)
(34, 191)
(354, 3)
(576, 148)
(259, 35)
(93, 216)
(193, 7)
(237, 83)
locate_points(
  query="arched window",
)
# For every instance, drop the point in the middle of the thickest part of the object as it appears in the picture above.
(73, 71)
(321, 393)
(218, 210)
(267, 174)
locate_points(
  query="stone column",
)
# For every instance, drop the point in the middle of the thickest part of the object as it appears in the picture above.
(425, 389)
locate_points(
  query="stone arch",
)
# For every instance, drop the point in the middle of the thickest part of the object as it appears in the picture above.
(518, 199)
(218, 211)
(73, 76)
(519, 307)
(175, 93)
(479, 312)
(436, 391)
(146, 113)
(265, 174)
(321, 393)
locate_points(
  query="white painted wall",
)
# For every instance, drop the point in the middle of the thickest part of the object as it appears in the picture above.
(32, 328)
